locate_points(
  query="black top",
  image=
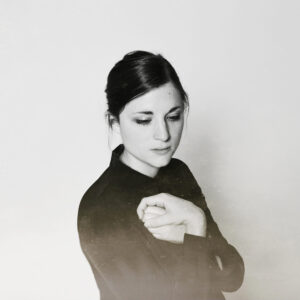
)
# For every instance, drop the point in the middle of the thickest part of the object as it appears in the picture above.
(129, 263)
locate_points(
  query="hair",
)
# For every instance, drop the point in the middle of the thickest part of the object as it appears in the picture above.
(136, 74)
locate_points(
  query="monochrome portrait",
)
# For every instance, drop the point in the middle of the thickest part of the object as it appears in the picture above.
(149, 150)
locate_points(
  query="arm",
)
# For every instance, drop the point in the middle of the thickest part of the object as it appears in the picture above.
(230, 275)
(123, 266)
(197, 242)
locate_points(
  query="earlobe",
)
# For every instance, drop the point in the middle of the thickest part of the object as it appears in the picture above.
(116, 126)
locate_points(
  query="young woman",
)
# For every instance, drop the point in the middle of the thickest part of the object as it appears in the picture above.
(144, 225)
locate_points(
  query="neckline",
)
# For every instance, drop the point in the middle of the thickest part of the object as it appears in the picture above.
(116, 162)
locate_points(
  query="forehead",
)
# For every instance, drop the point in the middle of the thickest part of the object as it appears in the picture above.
(161, 99)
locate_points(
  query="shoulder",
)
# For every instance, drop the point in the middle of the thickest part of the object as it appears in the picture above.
(181, 170)
(96, 206)
(179, 166)
(97, 191)
(178, 162)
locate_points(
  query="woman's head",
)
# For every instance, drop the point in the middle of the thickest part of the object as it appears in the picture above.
(136, 74)
(146, 104)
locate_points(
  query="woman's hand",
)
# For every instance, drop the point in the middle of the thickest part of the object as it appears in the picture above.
(153, 211)
(177, 212)
(170, 233)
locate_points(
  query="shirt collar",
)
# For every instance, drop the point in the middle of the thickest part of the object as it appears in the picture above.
(131, 176)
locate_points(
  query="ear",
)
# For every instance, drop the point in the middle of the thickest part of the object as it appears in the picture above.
(113, 122)
(116, 126)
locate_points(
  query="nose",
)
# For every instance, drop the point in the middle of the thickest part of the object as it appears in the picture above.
(161, 131)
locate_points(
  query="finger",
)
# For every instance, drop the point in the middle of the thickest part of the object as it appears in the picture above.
(152, 211)
(148, 216)
(140, 209)
(159, 230)
(158, 236)
(159, 221)
(155, 210)
(156, 200)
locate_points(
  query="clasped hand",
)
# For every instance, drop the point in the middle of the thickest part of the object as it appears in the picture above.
(169, 217)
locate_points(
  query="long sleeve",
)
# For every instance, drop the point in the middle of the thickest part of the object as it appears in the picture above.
(230, 275)
(129, 263)
(124, 263)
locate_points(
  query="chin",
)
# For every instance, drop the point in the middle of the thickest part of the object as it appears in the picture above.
(161, 162)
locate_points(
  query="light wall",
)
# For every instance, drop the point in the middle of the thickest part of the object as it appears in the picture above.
(238, 61)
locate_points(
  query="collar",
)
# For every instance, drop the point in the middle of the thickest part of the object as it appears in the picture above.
(129, 175)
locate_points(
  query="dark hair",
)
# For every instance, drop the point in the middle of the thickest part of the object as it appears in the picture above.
(135, 75)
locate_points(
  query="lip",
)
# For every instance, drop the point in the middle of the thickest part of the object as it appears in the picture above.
(161, 150)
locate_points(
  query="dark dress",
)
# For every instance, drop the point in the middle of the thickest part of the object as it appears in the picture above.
(129, 263)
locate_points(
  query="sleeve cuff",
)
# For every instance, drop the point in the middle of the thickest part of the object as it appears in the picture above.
(194, 244)
(195, 254)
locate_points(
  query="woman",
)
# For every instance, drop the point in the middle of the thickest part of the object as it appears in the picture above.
(144, 225)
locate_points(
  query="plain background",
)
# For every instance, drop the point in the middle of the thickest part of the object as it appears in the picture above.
(238, 61)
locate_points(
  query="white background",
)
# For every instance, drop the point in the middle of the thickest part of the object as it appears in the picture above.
(238, 61)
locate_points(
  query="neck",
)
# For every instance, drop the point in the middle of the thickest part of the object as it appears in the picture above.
(137, 165)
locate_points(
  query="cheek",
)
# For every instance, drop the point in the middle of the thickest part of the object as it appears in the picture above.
(176, 130)
(132, 132)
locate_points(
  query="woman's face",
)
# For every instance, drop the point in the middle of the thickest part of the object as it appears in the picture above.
(151, 127)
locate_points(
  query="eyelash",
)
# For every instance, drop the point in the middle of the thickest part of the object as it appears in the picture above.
(146, 122)
(174, 118)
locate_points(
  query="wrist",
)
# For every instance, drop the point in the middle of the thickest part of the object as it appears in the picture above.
(196, 222)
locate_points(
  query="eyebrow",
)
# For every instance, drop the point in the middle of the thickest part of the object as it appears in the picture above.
(148, 112)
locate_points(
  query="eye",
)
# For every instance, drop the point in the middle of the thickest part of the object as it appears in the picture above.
(174, 117)
(142, 122)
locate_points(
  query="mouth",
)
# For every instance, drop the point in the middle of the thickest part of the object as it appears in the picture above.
(161, 150)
